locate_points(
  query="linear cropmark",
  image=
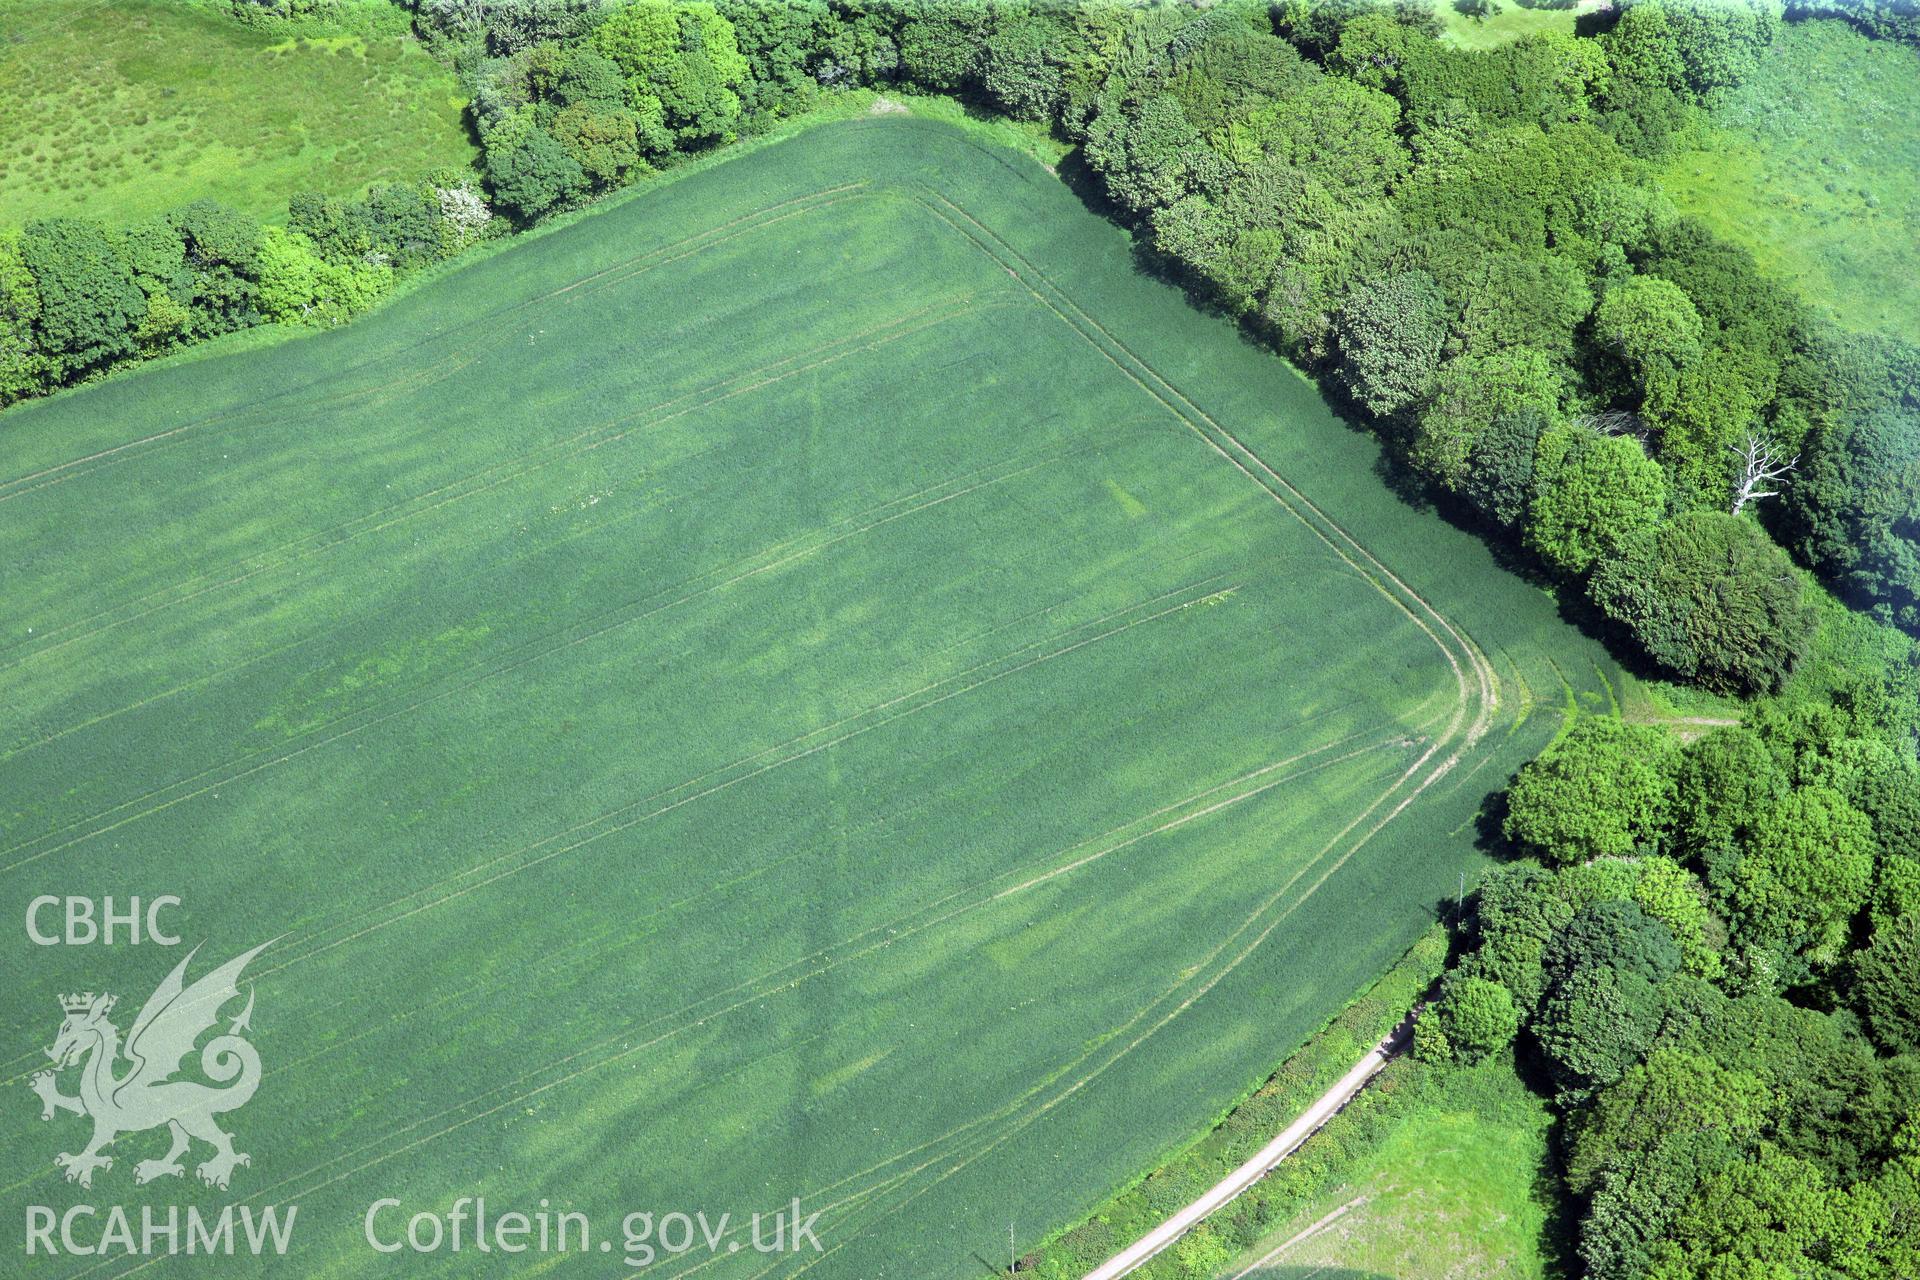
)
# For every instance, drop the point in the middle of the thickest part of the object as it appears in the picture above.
(816, 681)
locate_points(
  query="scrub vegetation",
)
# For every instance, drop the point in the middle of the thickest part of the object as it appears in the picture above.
(126, 110)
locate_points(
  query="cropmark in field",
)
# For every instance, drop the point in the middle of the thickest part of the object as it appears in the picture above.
(819, 681)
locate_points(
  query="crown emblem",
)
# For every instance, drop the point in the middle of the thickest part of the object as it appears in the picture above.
(84, 1002)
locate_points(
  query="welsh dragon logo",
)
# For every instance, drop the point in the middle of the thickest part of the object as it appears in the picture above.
(143, 1093)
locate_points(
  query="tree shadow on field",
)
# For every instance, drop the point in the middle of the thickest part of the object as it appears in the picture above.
(1079, 177)
(1595, 21)
(1559, 1237)
(1560, 1232)
(1155, 266)
(1490, 826)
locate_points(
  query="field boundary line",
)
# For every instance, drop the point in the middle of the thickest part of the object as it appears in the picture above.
(825, 963)
(1486, 686)
(1176, 987)
(1460, 709)
(1272, 901)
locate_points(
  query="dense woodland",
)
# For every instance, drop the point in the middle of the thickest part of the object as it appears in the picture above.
(1708, 952)
(1712, 955)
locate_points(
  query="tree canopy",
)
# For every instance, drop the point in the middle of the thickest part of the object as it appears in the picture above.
(1709, 596)
(1603, 790)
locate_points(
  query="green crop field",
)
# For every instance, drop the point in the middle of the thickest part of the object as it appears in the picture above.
(1814, 165)
(129, 109)
(818, 680)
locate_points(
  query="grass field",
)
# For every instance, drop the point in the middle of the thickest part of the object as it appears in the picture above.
(1814, 165)
(819, 680)
(1509, 22)
(1448, 1194)
(128, 109)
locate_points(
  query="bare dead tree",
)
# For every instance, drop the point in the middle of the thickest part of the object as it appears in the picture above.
(1759, 466)
(1616, 422)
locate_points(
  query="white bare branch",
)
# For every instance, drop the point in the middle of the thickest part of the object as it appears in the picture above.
(1616, 422)
(1759, 467)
